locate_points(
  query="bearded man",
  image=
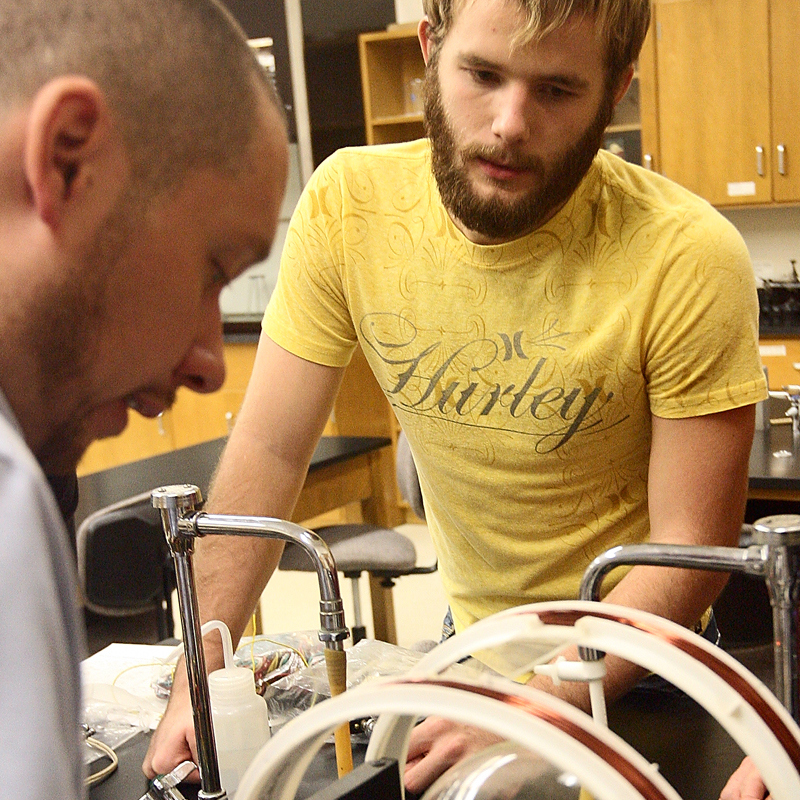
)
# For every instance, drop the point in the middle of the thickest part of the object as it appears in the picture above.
(568, 341)
(143, 160)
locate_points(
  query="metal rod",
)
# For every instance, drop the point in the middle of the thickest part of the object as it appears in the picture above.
(182, 548)
(332, 624)
(781, 537)
(717, 559)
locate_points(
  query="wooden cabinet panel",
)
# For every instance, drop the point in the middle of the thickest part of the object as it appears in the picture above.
(648, 103)
(193, 419)
(200, 417)
(779, 357)
(713, 97)
(142, 438)
(785, 97)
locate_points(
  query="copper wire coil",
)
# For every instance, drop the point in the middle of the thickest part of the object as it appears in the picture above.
(568, 617)
(632, 774)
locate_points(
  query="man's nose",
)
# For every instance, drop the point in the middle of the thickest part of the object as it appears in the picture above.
(512, 118)
(203, 367)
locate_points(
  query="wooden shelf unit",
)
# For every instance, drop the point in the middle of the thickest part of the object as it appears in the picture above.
(389, 61)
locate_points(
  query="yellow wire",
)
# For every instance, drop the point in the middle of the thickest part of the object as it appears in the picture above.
(288, 647)
(139, 666)
(253, 644)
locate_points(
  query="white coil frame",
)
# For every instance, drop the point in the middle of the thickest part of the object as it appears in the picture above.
(278, 768)
(747, 710)
(652, 646)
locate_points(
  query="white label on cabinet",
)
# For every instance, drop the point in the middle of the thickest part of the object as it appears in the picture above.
(742, 189)
(772, 350)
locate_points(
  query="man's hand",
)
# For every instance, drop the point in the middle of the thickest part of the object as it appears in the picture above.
(745, 783)
(174, 739)
(436, 744)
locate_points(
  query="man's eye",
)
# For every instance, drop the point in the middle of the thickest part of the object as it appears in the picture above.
(554, 92)
(484, 76)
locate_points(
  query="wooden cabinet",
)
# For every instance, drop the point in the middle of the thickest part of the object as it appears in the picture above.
(728, 98)
(785, 99)
(193, 419)
(632, 133)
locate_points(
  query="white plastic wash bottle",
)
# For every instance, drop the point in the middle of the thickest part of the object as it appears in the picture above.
(239, 715)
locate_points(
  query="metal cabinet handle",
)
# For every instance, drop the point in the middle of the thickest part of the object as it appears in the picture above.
(648, 161)
(781, 159)
(760, 160)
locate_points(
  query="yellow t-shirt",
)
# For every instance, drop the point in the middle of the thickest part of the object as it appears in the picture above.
(524, 374)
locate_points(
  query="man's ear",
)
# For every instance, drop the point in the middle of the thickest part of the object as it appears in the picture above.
(69, 126)
(423, 34)
(624, 83)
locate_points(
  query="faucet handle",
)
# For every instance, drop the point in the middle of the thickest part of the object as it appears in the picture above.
(165, 787)
(779, 529)
(183, 496)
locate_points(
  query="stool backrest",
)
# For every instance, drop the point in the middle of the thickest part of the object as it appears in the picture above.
(123, 559)
(407, 478)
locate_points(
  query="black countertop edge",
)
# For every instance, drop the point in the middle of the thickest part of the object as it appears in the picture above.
(789, 330)
(241, 330)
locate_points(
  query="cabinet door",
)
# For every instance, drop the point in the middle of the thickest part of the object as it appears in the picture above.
(784, 28)
(713, 92)
(141, 439)
(648, 102)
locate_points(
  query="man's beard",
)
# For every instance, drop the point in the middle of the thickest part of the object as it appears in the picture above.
(492, 217)
(68, 319)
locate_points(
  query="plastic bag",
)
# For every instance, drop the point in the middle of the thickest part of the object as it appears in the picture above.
(271, 657)
(369, 659)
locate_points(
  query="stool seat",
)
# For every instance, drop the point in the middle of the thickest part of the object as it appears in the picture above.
(383, 552)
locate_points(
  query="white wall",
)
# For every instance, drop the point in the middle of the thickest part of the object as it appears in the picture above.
(772, 236)
(249, 293)
(408, 10)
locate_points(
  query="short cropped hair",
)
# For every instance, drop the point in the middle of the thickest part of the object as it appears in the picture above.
(178, 75)
(622, 24)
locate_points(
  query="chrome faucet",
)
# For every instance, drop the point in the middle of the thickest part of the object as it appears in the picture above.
(774, 555)
(792, 394)
(182, 525)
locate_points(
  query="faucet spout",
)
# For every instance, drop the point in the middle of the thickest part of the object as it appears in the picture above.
(333, 630)
(718, 559)
(182, 525)
(775, 557)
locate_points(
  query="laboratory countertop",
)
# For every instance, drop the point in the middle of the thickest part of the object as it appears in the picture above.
(242, 328)
(129, 782)
(196, 464)
(775, 455)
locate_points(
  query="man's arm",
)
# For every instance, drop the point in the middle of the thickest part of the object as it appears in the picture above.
(262, 470)
(697, 488)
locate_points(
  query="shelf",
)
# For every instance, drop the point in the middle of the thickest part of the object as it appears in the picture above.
(397, 119)
(633, 126)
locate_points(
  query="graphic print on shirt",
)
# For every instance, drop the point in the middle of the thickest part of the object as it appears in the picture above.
(507, 381)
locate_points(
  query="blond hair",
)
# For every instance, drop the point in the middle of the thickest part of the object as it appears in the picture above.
(622, 24)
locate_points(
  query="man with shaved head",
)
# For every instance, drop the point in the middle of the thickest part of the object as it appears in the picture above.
(143, 160)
